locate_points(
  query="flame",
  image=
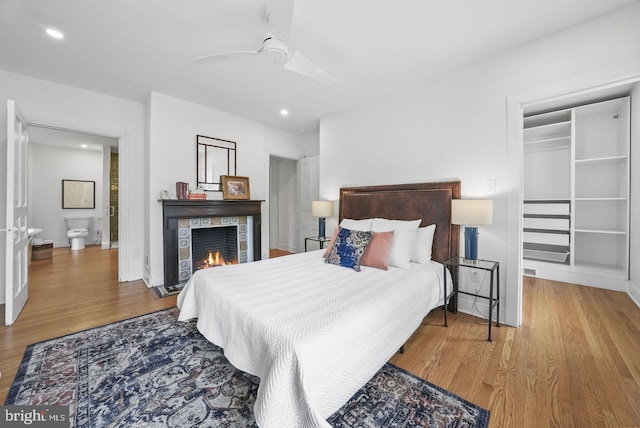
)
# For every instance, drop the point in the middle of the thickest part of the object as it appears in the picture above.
(215, 259)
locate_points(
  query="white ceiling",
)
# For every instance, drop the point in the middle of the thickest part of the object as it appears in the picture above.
(128, 48)
(70, 139)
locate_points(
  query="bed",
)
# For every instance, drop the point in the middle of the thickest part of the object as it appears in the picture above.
(314, 333)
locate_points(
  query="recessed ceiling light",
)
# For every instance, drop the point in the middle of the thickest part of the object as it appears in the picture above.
(84, 146)
(284, 112)
(55, 33)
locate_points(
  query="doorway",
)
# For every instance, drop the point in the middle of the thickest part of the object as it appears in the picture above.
(283, 223)
(576, 193)
(57, 154)
(517, 105)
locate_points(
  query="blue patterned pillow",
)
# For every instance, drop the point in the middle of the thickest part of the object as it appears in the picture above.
(348, 248)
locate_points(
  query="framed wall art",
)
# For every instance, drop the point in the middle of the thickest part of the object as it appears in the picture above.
(78, 194)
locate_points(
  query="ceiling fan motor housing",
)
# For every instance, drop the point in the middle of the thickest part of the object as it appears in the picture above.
(275, 49)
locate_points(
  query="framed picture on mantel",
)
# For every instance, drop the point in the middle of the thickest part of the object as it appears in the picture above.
(235, 187)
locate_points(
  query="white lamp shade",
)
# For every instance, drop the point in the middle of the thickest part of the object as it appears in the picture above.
(472, 212)
(322, 208)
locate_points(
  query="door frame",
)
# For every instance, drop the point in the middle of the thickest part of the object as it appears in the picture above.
(123, 174)
(584, 84)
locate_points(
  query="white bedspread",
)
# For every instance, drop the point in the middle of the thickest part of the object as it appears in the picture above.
(314, 333)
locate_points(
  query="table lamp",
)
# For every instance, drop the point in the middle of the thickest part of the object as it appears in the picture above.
(321, 209)
(471, 213)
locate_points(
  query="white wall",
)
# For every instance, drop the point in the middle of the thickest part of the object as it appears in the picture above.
(48, 166)
(455, 125)
(173, 125)
(48, 103)
(290, 145)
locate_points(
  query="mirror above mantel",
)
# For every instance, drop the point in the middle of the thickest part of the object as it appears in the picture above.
(214, 158)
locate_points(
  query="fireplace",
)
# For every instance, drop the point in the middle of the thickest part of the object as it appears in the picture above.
(220, 221)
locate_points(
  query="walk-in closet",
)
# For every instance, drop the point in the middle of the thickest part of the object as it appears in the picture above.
(576, 192)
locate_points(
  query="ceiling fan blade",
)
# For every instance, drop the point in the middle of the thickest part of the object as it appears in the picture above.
(222, 56)
(280, 16)
(300, 64)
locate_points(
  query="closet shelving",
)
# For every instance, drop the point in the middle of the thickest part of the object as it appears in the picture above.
(602, 186)
(576, 189)
(547, 230)
(547, 204)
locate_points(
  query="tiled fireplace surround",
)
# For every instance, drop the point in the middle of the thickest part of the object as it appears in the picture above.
(186, 239)
(179, 216)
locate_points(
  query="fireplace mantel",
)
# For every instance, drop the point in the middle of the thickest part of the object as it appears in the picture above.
(175, 209)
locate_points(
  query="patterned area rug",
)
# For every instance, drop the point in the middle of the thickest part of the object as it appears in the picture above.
(155, 371)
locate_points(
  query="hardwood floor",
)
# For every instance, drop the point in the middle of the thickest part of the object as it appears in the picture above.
(574, 362)
(278, 253)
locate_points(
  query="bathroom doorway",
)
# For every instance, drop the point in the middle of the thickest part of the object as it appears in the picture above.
(57, 154)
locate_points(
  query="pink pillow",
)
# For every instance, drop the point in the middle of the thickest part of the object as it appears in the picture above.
(333, 239)
(378, 251)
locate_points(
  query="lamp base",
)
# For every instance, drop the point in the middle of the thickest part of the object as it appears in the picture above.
(321, 227)
(471, 243)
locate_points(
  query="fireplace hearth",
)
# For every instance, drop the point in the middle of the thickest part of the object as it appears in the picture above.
(242, 216)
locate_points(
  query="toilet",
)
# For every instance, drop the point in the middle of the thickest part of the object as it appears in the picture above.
(77, 231)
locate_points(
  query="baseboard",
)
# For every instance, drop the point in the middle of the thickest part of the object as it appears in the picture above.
(146, 278)
(634, 292)
(480, 309)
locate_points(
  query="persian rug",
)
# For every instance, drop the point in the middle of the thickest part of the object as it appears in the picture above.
(153, 370)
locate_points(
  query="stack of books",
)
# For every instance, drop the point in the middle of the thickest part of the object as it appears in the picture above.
(197, 195)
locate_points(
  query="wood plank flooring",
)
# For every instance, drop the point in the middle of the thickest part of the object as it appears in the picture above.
(574, 362)
(274, 252)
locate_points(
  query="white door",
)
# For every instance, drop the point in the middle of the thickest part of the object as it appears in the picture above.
(309, 190)
(16, 284)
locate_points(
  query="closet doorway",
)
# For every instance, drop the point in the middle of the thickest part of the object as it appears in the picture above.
(577, 191)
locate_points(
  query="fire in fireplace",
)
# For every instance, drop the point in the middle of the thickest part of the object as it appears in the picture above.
(213, 260)
(214, 246)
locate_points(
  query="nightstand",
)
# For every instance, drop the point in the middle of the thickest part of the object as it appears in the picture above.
(456, 263)
(319, 239)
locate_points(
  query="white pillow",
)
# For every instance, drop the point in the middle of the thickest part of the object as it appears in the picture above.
(351, 224)
(421, 252)
(404, 233)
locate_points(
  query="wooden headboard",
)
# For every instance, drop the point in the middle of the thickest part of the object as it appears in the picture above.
(430, 202)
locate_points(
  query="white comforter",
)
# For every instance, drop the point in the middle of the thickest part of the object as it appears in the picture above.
(314, 333)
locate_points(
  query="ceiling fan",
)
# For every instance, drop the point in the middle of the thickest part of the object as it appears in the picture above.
(274, 46)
